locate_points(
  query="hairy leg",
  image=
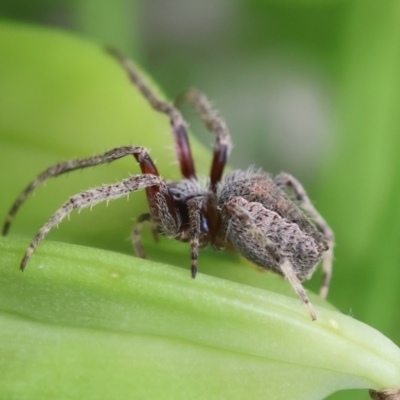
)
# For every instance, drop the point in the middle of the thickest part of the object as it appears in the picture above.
(214, 124)
(287, 181)
(90, 198)
(182, 146)
(136, 233)
(195, 220)
(68, 166)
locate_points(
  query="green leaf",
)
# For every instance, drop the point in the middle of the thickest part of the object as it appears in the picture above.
(88, 323)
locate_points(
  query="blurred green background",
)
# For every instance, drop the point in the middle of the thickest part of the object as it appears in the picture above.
(309, 87)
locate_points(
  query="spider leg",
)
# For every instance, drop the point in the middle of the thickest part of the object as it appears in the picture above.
(287, 181)
(214, 124)
(135, 235)
(234, 210)
(195, 220)
(72, 165)
(182, 146)
(289, 274)
(90, 198)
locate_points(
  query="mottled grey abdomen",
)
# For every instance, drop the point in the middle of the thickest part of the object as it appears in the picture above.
(282, 240)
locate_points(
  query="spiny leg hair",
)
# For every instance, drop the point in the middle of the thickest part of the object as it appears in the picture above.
(68, 166)
(233, 208)
(287, 181)
(90, 198)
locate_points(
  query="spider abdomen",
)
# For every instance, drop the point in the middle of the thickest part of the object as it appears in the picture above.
(266, 238)
(266, 226)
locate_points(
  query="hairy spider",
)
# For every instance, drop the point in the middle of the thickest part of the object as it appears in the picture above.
(269, 221)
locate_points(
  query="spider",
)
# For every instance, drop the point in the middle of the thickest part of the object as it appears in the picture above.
(269, 221)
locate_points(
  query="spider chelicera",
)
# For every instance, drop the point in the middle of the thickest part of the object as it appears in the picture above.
(269, 221)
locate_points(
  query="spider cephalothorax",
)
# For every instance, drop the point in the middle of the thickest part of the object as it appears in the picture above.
(269, 221)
